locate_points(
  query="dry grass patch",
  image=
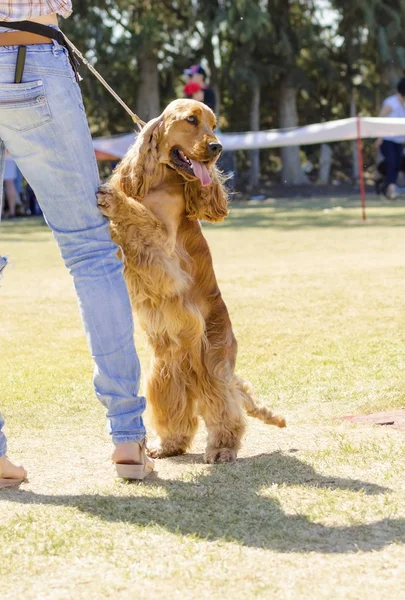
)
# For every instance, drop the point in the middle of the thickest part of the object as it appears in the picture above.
(315, 511)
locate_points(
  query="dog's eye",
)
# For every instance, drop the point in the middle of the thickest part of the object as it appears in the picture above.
(192, 119)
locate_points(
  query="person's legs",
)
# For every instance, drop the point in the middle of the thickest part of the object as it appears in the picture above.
(11, 195)
(390, 152)
(3, 263)
(3, 441)
(10, 473)
(398, 150)
(43, 125)
(10, 173)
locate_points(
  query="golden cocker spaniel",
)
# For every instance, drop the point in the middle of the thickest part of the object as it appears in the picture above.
(164, 185)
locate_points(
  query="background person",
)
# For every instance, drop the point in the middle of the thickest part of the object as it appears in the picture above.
(197, 74)
(194, 91)
(392, 147)
(10, 189)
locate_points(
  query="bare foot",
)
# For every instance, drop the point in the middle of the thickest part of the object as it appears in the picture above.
(10, 473)
(129, 452)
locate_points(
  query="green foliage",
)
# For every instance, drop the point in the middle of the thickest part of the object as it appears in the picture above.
(375, 27)
(244, 44)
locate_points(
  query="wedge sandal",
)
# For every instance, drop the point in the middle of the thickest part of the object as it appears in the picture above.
(132, 470)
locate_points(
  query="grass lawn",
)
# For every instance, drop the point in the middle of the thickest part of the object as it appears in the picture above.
(314, 511)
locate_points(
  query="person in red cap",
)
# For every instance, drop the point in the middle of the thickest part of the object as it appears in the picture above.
(194, 90)
(196, 74)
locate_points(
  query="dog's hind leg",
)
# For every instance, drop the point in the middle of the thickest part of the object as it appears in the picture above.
(225, 421)
(174, 414)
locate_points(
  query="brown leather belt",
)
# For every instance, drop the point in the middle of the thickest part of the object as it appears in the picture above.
(22, 38)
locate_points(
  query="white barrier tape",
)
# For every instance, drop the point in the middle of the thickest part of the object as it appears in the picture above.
(318, 133)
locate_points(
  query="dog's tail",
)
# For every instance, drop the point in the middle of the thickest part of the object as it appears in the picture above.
(254, 409)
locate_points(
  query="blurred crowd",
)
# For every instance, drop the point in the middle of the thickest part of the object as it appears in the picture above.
(18, 198)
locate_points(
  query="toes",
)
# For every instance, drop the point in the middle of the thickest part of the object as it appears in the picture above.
(220, 455)
(153, 451)
(105, 199)
(156, 453)
(161, 451)
(281, 422)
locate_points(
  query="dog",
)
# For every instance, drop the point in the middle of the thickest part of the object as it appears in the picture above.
(155, 199)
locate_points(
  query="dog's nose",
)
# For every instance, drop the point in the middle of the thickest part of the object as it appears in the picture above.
(215, 148)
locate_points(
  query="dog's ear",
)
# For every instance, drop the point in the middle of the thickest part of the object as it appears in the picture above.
(208, 203)
(140, 166)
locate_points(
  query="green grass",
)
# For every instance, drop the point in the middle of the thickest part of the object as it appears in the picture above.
(317, 300)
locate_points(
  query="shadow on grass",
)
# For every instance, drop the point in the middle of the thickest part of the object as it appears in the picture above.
(226, 504)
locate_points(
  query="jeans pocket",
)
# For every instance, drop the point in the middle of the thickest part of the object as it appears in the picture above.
(23, 106)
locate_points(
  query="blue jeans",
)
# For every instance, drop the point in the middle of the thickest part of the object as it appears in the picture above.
(392, 153)
(44, 127)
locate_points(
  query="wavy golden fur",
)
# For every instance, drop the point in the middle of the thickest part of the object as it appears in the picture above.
(165, 184)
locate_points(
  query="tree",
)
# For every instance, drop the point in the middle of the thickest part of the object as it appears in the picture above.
(294, 32)
(128, 41)
(374, 27)
(372, 52)
(272, 63)
(248, 36)
(150, 25)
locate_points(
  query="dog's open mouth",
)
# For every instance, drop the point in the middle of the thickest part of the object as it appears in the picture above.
(190, 167)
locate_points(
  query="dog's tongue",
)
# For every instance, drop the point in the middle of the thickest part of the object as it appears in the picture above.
(201, 171)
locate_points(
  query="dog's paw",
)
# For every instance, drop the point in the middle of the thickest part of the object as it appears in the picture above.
(220, 455)
(280, 421)
(162, 450)
(106, 199)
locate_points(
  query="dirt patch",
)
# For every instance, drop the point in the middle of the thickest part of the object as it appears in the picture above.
(391, 418)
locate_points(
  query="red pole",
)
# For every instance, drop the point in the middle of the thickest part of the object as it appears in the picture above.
(361, 169)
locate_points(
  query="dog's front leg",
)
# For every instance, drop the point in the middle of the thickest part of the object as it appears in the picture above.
(111, 201)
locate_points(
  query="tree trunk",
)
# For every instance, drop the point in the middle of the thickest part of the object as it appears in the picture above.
(254, 175)
(292, 173)
(378, 100)
(393, 74)
(355, 156)
(214, 79)
(148, 98)
(325, 164)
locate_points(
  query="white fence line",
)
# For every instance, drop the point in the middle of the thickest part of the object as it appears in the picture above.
(318, 133)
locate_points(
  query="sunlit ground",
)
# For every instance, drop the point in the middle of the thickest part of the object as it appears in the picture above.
(317, 300)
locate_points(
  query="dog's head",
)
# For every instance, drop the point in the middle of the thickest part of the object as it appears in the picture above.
(181, 140)
(189, 144)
